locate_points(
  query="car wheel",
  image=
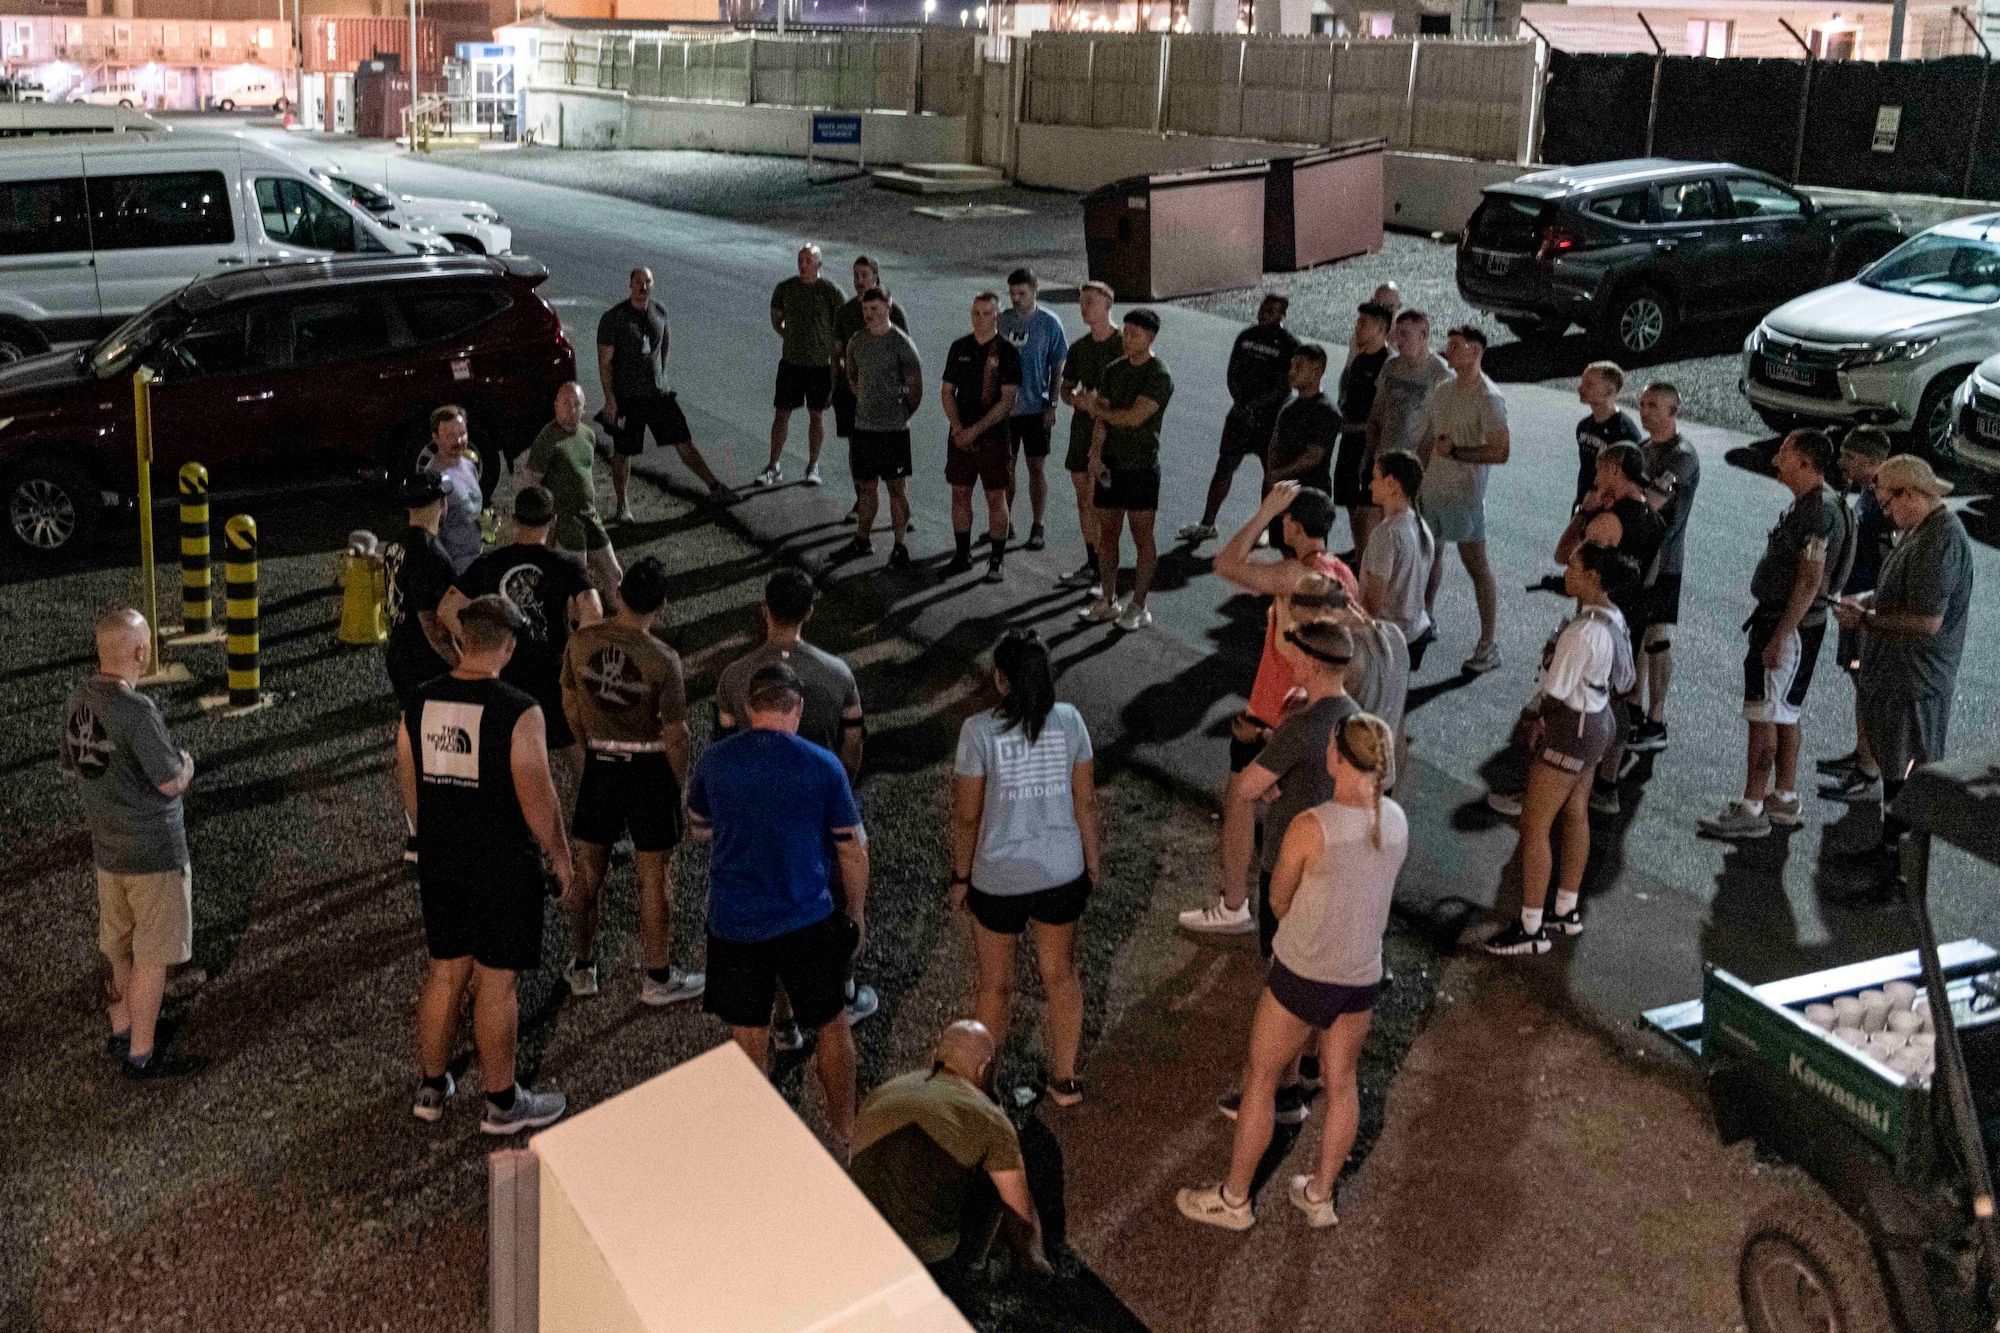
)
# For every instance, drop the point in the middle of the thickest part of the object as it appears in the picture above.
(125, 101)
(18, 342)
(1937, 426)
(1807, 1267)
(52, 510)
(226, 104)
(1640, 321)
(465, 245)
(1536, 330)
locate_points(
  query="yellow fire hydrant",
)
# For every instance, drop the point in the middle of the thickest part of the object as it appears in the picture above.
(364, 598)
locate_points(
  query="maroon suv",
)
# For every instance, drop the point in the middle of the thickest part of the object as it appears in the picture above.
(277, 373)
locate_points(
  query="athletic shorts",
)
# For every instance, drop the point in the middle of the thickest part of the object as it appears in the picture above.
(1663, 601)
(843, 408)
(1317, 1004)
(989, 461)
(1078, 457)
(628, 793)
(1350, 478)
(1245, 434)
(661, 415)
(1009, 913)
(811, 962)
(1454, 521)
(581, 533)
(1130, 488)
(879, 455)
(810, 387)
(1031, 434)
(1779, 695)
(1574, 742)
(146, 917)
(496, 923)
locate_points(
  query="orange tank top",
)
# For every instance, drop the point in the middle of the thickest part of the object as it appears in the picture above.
(1274, 674)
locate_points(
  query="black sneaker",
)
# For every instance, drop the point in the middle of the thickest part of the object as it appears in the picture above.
(1037, 539)
(164, 1065)
(1648, 737)
(1083, 576)
(1604, 798)
(1514, 939)
(1853, 785)
(1840, 765)
(1564, 923)
(994, 573)
(787, 1036)
(960, 564)
(1293, 1105)
(899, 557)
(1309, 1072)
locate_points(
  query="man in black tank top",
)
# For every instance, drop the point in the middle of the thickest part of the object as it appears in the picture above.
(472, 766)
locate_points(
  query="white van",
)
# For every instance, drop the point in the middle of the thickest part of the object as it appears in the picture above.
(94, 228)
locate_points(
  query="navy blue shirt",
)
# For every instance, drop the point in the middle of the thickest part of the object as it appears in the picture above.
(774, 801)
(1874, 538)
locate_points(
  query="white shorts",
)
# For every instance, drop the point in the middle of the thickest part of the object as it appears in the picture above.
(1768, 694)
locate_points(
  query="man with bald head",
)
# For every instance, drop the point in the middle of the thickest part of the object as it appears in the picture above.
(632, 371)
(116, 747)
(804, 311)
(932, 1151)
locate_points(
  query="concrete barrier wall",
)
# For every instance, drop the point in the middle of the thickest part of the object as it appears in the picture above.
(1432, 192)
(582, 118)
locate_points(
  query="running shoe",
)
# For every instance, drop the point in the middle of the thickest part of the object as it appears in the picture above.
(1215, 919)
(960, 564)
(429, 1106)
(1133, 617)
(531, 1110)
(1563, 923)
(1482, 661)
(771, 475)
(862, 1002)
(1604, 798)
(1208, 1205)
(1293, 1104)
(162, 1065)
(1066, 1091)
(787, 1036)
(1101, 612)
(1513, 938)
(678, 986)
(1648, 737)
(1853, 785)
(1037, 538)
(1082, 576)
(1736, 823)
(812, 474)
(1782, 812)
(717, 492)
(899, 556)
(1197, 532)
(994, 572)
(582, 978)
(1319, 1212)
(1840, 764)
(1507, 803)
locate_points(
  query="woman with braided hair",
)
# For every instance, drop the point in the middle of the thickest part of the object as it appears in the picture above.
(1331, 891)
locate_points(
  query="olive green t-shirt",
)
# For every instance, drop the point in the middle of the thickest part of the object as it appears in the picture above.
(564, 460)
(1084, 369)
(1124, 383)
(810, 309)
(920, 1143)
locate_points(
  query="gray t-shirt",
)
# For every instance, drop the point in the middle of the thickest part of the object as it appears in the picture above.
(1928, 574)
(1332, 933)
(829, 685)
(116, 747)
(1297, 754)
(879, 368)
(1464, 419)
(1378, 679)
(1399, 553)
(1401, 393)
(1028, 839)
(1813, 528)
(458, 523)
(1675, 468)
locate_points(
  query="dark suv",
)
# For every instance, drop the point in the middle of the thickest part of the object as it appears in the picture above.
(278, 373)
(1631, 250)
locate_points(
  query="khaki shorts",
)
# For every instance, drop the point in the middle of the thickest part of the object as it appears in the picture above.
(147, 918)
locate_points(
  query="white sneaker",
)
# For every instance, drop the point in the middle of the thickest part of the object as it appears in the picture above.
(1197, 532)
(769, 476)
(1101, 612)
(1506, 803)
(1784, 813)
(1215, 919)
(1208, 1205)
(1135, 617)
(1482, 661)
(582, 980)
(677, 987)
(812, 474)
(1319, 1212)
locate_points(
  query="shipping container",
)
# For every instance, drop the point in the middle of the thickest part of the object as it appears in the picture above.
(336, 44)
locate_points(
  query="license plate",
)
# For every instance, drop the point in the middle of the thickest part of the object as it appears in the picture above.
(1781, 373)
(1498, 264)
(1988, 427)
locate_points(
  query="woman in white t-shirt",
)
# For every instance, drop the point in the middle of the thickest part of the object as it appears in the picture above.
(1567, 727)
(1024, 845)
(1331, 891)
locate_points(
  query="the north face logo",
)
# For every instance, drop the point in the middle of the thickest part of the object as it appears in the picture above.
(450, 733)
(452, 740)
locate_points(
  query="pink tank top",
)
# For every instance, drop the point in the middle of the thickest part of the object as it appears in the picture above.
(1274, 674)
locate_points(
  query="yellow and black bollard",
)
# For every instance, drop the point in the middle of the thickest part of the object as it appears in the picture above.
(197, 578)
(239, 573)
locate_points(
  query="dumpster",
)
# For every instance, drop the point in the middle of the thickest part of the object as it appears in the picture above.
(1323, 206)
(1177, 233)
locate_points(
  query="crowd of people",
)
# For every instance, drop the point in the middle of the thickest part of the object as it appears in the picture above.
(544, 725)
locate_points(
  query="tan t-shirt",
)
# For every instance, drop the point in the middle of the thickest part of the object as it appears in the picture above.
(622, 685)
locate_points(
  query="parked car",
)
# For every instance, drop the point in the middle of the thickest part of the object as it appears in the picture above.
(1890, 346)
(471, 227)
(247, 87)
(99, 226)
(1976, 416)
(327, 366)
(1633, 250)
(111, 94)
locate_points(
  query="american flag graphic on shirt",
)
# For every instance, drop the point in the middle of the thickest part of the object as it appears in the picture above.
(1028, 771)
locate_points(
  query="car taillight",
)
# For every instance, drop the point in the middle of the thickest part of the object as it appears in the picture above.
(1556, 241)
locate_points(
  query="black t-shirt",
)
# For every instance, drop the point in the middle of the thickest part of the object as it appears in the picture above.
(1591, 437)
(1641, 530)
(419, 574)
(977, 373)
(1260, 364)
(638, 343)
(542, 583)
(470, 829)
(1303, 423)
(1357, 387)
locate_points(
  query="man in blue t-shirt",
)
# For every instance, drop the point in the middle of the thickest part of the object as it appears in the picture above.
(1038, 336)
(779, 812)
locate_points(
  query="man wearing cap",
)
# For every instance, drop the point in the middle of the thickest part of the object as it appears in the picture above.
(1465, 430)
(1862, 452)
(563, 460)
(472, 769)
(780, 813)
(1912, 630)
(1125, 460)
(934, 1153)
(419, 575)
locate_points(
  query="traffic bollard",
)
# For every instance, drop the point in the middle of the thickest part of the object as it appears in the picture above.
(197, 578)
(239, 573)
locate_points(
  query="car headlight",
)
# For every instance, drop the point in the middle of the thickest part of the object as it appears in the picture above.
(490, 219)
(1904, 349)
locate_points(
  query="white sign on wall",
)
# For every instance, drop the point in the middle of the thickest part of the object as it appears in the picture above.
(1888, 121)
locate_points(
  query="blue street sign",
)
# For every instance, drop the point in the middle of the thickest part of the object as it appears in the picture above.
(837, 129)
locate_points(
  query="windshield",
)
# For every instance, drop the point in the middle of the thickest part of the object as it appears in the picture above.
(372, 200)
(1945, 268)
(120, 351)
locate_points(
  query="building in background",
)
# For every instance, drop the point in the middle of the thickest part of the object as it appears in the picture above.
(162, 64)
(1841, 30)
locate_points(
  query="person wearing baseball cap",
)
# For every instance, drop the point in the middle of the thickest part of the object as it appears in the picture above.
(419, 574)
(1912, 630)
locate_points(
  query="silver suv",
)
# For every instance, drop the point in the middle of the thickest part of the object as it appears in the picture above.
(1890, 346)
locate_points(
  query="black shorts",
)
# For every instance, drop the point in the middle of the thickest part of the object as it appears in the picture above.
(622, 793)
(1130, 488)
(661, 415)
(843, 408)
(1318, 1004)
(1663, 602)
(879, 455)
(497, 922)
(1245, 433)
(810, 387)
(1350, 479)
(1009, 913)
(989, 461)
(811, 962)
(1031, 434)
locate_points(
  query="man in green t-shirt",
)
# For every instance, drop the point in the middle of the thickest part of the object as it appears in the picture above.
(1083, 373)
(1127, 409)
(804, 310)
(562, 460)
